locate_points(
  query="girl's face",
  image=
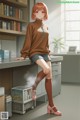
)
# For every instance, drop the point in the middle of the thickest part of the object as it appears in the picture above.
(39, 14)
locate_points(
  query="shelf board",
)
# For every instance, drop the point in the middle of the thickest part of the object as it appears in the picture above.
(14, 3)
(12, 18)
(26, 101)
(12, 32)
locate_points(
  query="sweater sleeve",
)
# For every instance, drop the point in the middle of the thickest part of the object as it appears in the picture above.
(27, 43)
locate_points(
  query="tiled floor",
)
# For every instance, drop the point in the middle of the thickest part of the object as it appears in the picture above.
(68, 102)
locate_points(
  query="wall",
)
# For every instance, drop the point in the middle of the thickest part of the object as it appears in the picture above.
(8, 42)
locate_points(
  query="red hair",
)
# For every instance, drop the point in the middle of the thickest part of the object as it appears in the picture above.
(39, 6)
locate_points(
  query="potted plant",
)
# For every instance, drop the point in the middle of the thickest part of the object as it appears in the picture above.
(58, 44)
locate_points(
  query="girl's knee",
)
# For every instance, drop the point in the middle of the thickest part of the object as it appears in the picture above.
(49, 76)
(46, 71)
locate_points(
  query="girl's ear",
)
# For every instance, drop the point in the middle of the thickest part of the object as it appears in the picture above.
(34, 16)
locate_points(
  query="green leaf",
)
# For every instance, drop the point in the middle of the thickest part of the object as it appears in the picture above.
(58, 43)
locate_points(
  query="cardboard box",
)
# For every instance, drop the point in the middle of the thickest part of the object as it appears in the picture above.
(2, 103)
(6, 54)
(2, 91)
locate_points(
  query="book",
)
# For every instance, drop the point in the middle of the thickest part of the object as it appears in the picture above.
(10, 11)
(17, 13)
(4, 24)
(6, 10)
(0, 23)
(22, 1)
(1, 8)
(23, 27)
(18, 26)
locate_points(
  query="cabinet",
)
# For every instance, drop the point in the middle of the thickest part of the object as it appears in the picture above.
(56, 78)
(41, 87)
(71, 68)
(56, 81)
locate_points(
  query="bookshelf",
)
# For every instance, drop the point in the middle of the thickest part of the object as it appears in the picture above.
(19, 3)
(13, 21)
(13, 18)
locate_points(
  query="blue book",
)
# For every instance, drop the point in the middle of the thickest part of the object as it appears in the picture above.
(1, 55)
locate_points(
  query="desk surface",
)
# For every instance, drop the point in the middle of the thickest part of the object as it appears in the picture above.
(16, 63)
(61, 54)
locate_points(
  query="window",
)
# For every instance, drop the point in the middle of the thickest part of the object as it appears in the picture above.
(71, 24)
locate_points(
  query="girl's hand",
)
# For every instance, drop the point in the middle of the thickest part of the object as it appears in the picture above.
(50, 53)
(20, 58)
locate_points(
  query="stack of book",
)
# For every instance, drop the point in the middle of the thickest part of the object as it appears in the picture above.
(11, 11)
(12, 25)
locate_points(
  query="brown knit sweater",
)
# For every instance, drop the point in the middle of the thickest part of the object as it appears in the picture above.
(36, 40)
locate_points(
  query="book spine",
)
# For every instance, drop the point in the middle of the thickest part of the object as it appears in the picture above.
(17, 13)
(1, 8)
(22, 1)
(10, 11)
(4, 25)
(12, 25)
(8, 25)
(15, 25)
(7, 10)
(0, 23)
(23, 27)
(18, 26)
(20, 14)
(13, 11)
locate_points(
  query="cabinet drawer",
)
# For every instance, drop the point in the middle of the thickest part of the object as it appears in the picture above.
(56, 69)
(55, 72)
(56, 82)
